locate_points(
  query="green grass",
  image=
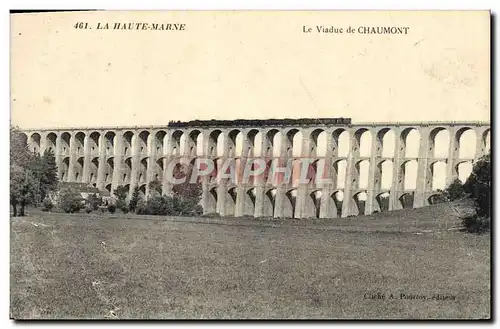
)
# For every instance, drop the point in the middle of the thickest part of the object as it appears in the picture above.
(105, 266)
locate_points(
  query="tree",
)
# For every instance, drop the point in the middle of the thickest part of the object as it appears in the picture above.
(186, 190)
(478, 185)
(155, 187)
(134, 200)
(45, 170)
(455, 190)
(23, 183)
(121, 193)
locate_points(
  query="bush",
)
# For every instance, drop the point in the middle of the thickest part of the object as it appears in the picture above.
(170, 206)
(111, 208)
(94, 201)
(124, 209)
(47, 205)
(88, 208)
(70, 202)
(455, 190)
(477, 224)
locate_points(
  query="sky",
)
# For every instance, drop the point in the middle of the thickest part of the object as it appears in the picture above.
(229, 65)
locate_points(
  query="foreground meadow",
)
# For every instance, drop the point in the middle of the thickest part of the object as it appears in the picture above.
(107, 266)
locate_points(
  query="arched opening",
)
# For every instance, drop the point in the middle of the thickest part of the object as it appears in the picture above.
(362, 172)
(65, 142)
(176, 143)
(64, 169)
(230, 206)
(388, 141)
(109, 140)
(360, 202)
(313, 204)
(294, 143)
(127, 172)
(409, 171)
(337, 198)
(268, 207)
(108, 187)
(289, 203)
(340, 143)
(79, 170)
(34, 145)
(317, 147)
(93, 170)
(213, 141)
(439, 142)
(143, 171)
(235, 143)
(272, 143)
(212, 201)
(438, 172)
(386, 171)
(383, 201)
(464, 169)
(142, 192)
(249, 207)
(143, 142)
(110, 167)
(363, 143)
(410, 143)
(192, 143)
(160, 142)
(406, 200)
(159, 168)
(127, 143)
(465, 146)
(94, 143)
(339, 173)
(51, 142)
(254, 138)
(79, 143)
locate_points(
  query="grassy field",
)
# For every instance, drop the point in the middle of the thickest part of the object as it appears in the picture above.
(105, 266)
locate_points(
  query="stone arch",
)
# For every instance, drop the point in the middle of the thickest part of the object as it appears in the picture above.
(408, 174)
(317, 139)
(293, 141)
(79, 141)
(65, 143)
(142, 191)
(128, 137)
(127, 190)
(24, 138)
(175, 142)
(270, 142)
(251, 150)
(336, 198)
(231, 197)
(486, 140)
(108, 188)
(339, 173)
(110, 168)
(143, 142)
(360, 179)
(159, 168)
(235, 143)
(94, 143)
(289, 203)
(78, 173)
(93, 170)
(463, 169)
(312, 204)
(268, 204)
(435, 199)
(109, 143)
(212, 201)
(213, 141)
(407, 199)
(386, 140)
(35, 143)
(465, 143)
(192, 143)
(438, 175)
(51, 142)
(160, 143)
(439, 141)
(383, 201)
(64, 169)
(249, 206)
(410, 142)
(143, 171)
(359, 199)
(362, 143)
(384, 174)
(127, 170)
(341, 144)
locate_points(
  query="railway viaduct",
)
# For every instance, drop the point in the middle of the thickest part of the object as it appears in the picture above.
(107, 157)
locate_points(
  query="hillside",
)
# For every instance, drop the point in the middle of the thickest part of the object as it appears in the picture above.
(94, 266)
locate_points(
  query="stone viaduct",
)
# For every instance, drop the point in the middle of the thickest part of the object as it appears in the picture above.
(107, 157)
